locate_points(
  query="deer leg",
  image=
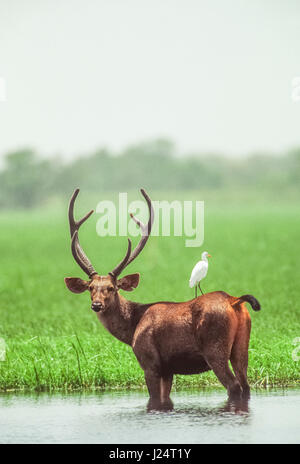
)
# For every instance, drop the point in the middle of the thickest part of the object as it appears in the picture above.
(153, 382)
(221, 369)
(239, 358)
(241, 374)
(149, 360)
(165, 389)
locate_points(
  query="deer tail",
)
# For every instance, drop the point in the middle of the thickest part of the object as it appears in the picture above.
(249, 299)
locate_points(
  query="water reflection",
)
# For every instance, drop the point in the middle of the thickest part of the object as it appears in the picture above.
(122, 417)
(232, 406)
(240, 406)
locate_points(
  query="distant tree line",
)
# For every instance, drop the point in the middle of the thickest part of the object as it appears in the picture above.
(27, 179)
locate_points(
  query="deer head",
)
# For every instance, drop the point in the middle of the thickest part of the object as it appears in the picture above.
(104, 289)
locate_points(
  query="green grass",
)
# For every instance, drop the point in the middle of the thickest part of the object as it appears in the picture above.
(54, 340)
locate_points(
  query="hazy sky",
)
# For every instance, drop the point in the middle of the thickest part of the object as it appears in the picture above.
(212, 75)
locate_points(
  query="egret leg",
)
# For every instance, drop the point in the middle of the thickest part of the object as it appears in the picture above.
(200, 288)
(196, 291)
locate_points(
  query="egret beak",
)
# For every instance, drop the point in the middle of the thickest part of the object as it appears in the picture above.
(209, 256)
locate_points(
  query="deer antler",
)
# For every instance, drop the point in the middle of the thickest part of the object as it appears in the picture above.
(146, 230)
(78, 253)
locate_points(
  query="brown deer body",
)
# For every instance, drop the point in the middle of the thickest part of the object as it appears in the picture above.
(169, 338)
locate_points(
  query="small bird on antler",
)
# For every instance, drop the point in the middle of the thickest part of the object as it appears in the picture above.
(199, 272)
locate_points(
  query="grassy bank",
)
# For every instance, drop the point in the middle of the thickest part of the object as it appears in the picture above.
(54, 340)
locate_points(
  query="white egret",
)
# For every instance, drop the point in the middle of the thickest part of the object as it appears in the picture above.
(199, 272)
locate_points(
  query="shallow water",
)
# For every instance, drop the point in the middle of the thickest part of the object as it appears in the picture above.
(121, 417)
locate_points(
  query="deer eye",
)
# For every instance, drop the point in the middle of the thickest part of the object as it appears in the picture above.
(110, 289)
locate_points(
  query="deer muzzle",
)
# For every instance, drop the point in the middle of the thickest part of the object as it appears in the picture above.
(97, 306)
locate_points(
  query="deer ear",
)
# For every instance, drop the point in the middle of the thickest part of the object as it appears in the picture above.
(129, 282)
(76, 285)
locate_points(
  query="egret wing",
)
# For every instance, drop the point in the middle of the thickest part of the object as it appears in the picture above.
(198, 273)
